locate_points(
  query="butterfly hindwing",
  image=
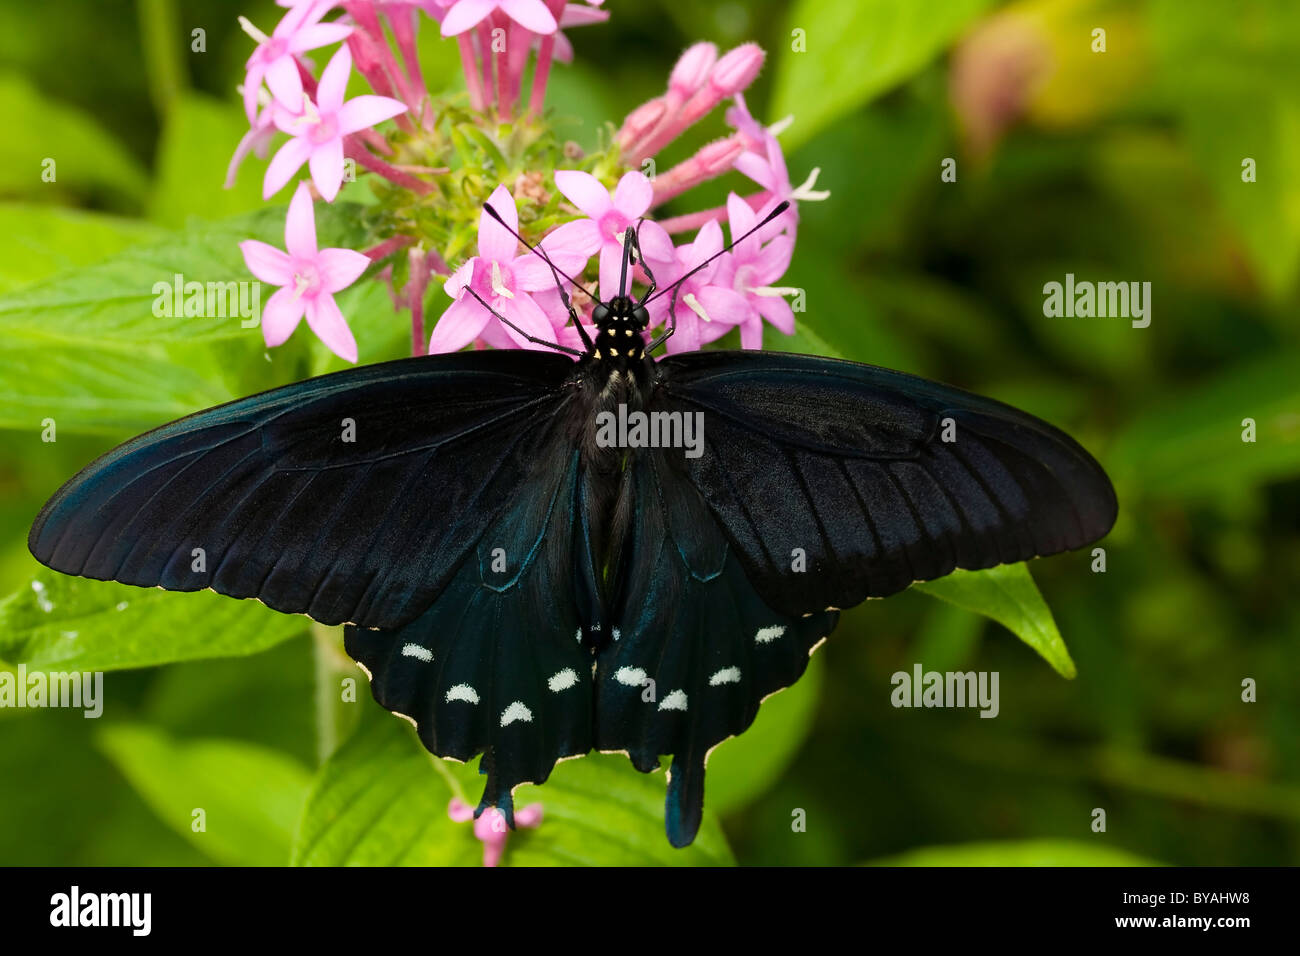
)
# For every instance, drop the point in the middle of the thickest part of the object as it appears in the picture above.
(837, 481)
(350, 497)
(694, 648)
(496, 665)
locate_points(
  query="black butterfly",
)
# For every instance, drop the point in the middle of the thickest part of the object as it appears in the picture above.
(522, 589)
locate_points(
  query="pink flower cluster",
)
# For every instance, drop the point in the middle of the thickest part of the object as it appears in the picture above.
(496, 38)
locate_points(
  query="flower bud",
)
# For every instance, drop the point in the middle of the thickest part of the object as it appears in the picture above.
(737, 69)
(692, 69)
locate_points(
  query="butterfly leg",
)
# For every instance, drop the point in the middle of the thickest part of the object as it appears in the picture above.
(672, 322)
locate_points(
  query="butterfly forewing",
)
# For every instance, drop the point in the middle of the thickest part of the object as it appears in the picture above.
(837, 482)
(351, 497)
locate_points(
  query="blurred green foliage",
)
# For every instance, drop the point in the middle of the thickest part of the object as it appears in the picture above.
(1125, 165)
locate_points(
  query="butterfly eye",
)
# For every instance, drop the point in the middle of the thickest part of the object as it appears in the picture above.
(641, 317)
(600, 314)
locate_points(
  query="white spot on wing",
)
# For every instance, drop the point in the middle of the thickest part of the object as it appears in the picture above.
(765, 635)
(516, 711)
(674, 701)
(728, 675)
(562, 680)
(463, 692)
(418, 652)
(617, 634)
(630, 676)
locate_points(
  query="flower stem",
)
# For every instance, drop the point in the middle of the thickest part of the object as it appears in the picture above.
(541, 73)
(473, 79)
(163, 66)
(354, 150)
(415, 286)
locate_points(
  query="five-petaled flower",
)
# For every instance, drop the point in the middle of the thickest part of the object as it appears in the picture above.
(609, 217)
(318, 129)
(308, 278)
(705, 310)
(503, 280)
(750, 269)
(276, 58)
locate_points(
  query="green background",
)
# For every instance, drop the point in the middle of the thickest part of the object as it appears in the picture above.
(1124, 165)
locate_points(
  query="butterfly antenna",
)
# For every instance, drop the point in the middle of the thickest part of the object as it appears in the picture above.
(782, 207)
(555, 271)
(547, 343)
(672, 309)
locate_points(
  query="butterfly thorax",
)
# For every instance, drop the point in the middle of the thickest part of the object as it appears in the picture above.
(617, 363)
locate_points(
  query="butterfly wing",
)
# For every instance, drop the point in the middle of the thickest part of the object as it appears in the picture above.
(836, 481)
(820, 483)
(352, 497)
(694, 647)
(497, 664)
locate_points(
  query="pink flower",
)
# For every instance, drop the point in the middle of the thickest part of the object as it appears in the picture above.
(308, 279)
(466, 14)
(764, 163)
(504, 281)
(609, 218)
(319, 129)
(750, 270)
(491, 827)
(275, 58)
(257, 141)
(705, 311)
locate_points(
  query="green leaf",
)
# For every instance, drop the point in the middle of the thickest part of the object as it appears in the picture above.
(382, 800)
(197, 142)
(1017, 853)
(86, 158)
(86, 349)
(60, 622)
(1008, 595)
(101, 390)
(39, 241)
(1191, 445)
(743, 767)
(112, 303)
(251, 796)
(856, 50)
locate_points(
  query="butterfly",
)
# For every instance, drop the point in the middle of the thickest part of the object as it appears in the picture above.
(534, 559)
